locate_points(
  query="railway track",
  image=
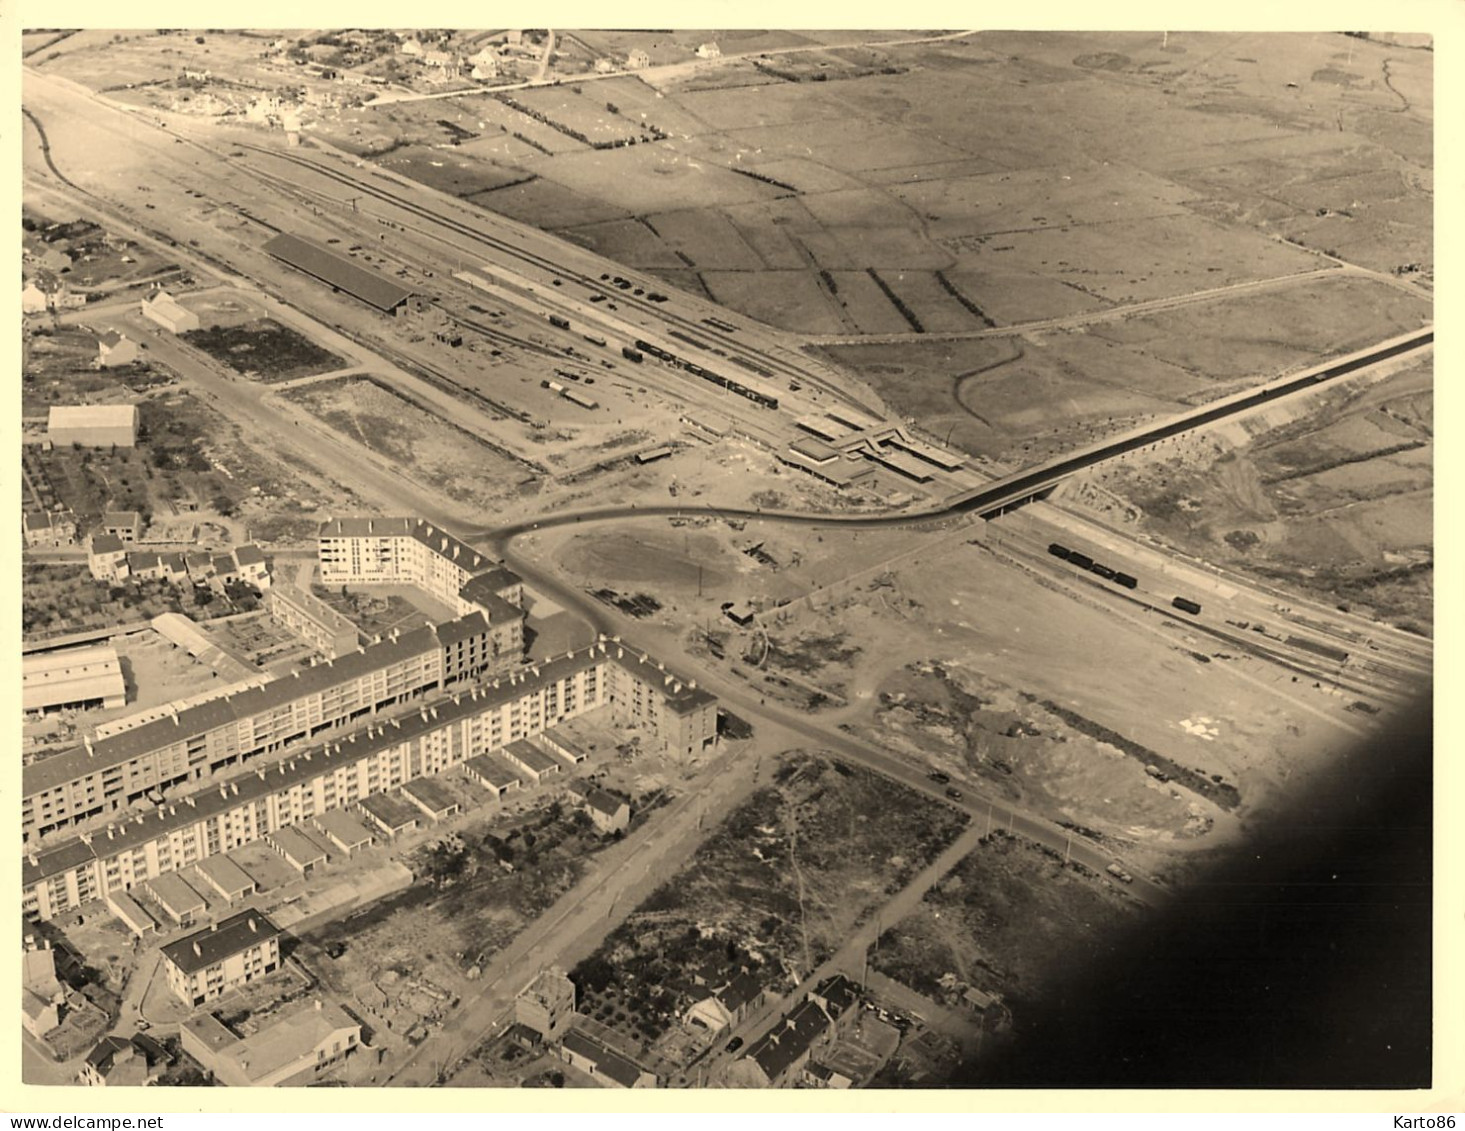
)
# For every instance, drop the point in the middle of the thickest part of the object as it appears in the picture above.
(687, 325)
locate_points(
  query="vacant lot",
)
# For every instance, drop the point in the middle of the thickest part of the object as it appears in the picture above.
(1008, 920)
(803, 860)
(437, 452)
(432, 937)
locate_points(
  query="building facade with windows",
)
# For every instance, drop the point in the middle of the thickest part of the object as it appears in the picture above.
(209, 963)
(342, 774)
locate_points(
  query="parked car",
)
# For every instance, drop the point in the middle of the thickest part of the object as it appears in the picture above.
(938, 776)
(953, 793)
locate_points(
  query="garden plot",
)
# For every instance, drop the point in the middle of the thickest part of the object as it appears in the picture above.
(792, 300)
(796, 866)
(264, 350)
(704, 238)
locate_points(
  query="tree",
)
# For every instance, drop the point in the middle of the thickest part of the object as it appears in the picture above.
(446, 862)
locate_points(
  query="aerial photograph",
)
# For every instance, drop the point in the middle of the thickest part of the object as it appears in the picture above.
(726, 559)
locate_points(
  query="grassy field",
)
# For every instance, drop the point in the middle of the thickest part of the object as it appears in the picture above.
(440, 454)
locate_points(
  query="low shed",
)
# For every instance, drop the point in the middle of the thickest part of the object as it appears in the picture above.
(344, 831)
(492, 772)
(390, 813)
(226, 877)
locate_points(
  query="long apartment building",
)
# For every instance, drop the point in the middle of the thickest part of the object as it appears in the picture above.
(411, 551)
(108, 775)
(385, 756)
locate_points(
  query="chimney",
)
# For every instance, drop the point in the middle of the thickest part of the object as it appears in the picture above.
(90, 753)
(197, 952)
(235, 787)
(253, 926)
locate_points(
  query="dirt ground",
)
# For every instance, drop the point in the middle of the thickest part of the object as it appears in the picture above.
(1007, 921)
(1332, 497)
(782, 879)
(865, 651)
(440, 455)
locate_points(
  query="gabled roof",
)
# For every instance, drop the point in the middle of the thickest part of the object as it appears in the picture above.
(106, 544)
(789, 1039)
(607, 1061)
(249, 555)
(120, 518)
(604, 802)
(839, 992)
(203, 949)
(741, 990)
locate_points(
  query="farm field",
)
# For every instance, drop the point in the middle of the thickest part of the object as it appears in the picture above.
(898, 177)
(1333, 498)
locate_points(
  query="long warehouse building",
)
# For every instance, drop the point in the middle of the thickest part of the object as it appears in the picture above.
(338, 272)
(110, 774)
(677, 715)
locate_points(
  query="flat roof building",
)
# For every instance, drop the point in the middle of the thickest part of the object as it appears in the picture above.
(226, 877)
(92, 425)
(344, 831)
(299, 1048)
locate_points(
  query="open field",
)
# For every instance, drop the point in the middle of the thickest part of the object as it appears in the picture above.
(1007, 921)
(1333, 498)
(440, 454)
(1045, 393)
(899, 177)
(784, 877)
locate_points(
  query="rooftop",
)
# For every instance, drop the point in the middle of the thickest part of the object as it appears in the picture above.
(607, 1061)
(174, 894)
(349, 276)
(71, 676)
(292, 1038)
(205, 948)
(228, 875)
(431, 794)
(295, 845)
(391, 810)
(339, 825)
(682, 696)
(789, 1039)
(436, 539)
(92, 416)
(121, 748)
